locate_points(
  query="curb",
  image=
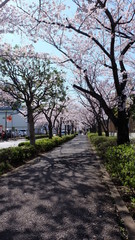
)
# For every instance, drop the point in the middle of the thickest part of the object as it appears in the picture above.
(16, 169)
(123, 211)
(31, 161)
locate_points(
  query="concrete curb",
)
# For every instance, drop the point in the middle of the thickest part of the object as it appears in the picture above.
(120, 205)
(123, 211)
(23, 166)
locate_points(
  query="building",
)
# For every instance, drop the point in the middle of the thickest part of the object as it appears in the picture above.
(113, 130)
(12, 120)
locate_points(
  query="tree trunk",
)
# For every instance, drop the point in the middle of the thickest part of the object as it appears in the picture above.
(72, 128)
(68, 129)
(57, 131)
(46, 132)
(99, 128)
(93, 128)
(60, 129)
(50, 130)
(107, 133)
(31, 126)
(123, 128)
(65, 129)
(105, 126)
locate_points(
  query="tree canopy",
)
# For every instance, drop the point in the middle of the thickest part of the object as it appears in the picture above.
(92, 33)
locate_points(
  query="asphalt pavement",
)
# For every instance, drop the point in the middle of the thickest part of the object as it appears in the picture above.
(11, 143)
(58, 196)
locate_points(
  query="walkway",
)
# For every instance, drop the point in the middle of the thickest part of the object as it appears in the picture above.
(60, 196)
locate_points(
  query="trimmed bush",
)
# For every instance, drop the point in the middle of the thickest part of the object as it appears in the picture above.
(44, 145)
(4, 167)
(120, 161)
(102, 142)
(16, 156)
(24, 144)
(39, 136)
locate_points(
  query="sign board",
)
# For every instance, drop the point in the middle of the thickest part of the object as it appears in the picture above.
(9, 118)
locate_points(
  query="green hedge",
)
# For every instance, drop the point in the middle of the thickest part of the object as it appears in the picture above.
(102, 142)
(48, 144)
(16, 156)
(39, 136)
(119, 160)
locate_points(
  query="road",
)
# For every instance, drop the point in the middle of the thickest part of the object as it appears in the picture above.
(11, 143)
(58, 196)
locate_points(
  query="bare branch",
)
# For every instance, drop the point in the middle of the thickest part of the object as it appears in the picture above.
(4, 3)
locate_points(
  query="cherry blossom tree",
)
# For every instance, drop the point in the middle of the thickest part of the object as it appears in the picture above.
(55, 102)
(112, 23)
(6, 15)
(70, 118)
(2, 4)
(94, 111)
(27, 78)
(102, 29)
(103, 88)
(88, 119)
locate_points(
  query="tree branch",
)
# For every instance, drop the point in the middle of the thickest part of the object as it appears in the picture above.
(4, 3)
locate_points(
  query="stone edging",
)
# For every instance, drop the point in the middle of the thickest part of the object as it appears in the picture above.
(123, 211)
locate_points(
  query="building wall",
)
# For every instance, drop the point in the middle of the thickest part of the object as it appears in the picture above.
(112, 128)
(18, 121)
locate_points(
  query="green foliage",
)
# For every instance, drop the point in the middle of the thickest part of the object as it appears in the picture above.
(103, 146)
(120, 161)
(20, 154)
(133, 201)
(35, 81)
(4, 167)
(91, 135)
(24, 144)
(16, 156)
(44, 145)
(102, 142)
(38, 136)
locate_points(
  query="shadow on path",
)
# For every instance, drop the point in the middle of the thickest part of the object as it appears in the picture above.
(59, 196)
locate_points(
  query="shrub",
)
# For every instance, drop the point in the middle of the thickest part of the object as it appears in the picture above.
(102, 142)
(24, 144)
(4, 167)
(39, 136)
(103, 146)
(58, 140)
(16, 156)
(120, 162)
(44, 145)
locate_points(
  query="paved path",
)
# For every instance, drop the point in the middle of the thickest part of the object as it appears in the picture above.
(58, 197)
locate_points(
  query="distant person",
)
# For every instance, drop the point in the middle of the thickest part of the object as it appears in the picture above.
(3, 135)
